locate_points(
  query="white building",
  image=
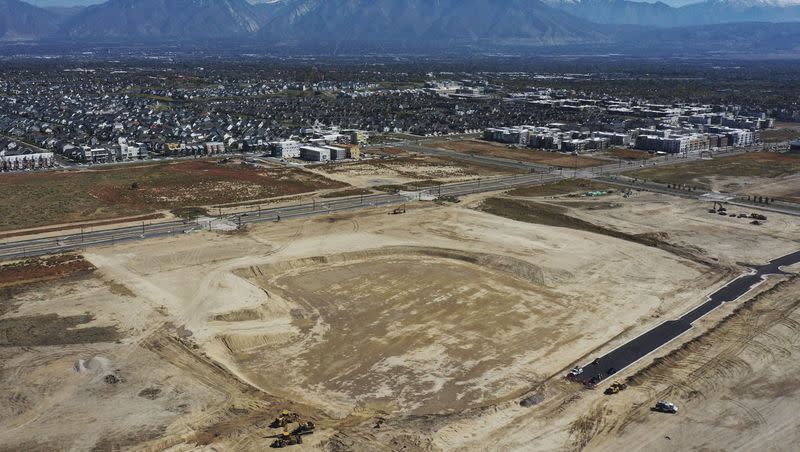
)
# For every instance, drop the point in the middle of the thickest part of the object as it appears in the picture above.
(315, 154)
(26, 159)
(285, 149)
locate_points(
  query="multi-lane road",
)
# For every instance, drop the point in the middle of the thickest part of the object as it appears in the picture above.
(77, 241)
(531, 174)
(597, 371)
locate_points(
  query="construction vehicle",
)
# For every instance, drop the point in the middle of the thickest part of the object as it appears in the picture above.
(615, 388)
(663, 406)
(399, 210)
(285, 418)
(574, 373)
(286, 439)
(721, 210)
(305, 428)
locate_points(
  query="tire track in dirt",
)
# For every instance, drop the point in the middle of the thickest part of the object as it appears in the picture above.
(748, 328)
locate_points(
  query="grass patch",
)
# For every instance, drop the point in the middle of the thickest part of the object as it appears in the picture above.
(630, 154)
(190, 213)
(753, 164)
(409, 186)
(43, 269)
(346, 193)
(41, 199)
(561, 187)
(536, 156)
(778, 135)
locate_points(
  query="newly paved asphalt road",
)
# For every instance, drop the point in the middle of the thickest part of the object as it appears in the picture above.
(638, 348)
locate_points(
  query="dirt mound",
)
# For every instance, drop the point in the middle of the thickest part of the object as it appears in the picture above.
(98, 366)
(93, 366)
(505, 264)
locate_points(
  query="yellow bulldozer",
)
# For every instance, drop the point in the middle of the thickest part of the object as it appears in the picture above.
(615, 388)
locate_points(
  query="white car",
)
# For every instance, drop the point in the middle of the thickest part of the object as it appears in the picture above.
(665, 407)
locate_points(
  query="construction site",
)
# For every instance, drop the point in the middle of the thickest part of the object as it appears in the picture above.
(429, 325)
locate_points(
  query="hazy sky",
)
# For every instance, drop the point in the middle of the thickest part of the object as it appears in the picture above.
(91, 2)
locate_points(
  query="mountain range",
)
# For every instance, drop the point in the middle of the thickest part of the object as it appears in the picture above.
(709, 12)
(406, 24)
(22, 21)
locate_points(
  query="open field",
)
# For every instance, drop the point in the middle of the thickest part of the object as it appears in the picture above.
(629, 154)
(783, 131)
(487, 148)
(562, 187)
(755, 173)
(431, 325)
(405, 169)
(66, 197)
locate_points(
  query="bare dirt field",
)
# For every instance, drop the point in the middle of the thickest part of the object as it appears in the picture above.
(405, 170)
(720, 239)
(420, 331)
(480, 147)
(98, 194)
(629, 154)
(755, 173)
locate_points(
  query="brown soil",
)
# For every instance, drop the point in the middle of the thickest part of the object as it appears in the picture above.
(630, 154)
(42, 269)
(79, 196)
(345, 193)
(561, 188)
(552, 215)
(524, 155)
(154, 216)
(51, 329)
(754, 164)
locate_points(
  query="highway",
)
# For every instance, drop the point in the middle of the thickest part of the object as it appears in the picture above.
(534, 174)
(631, 352)
(595, 372)
(78, 241)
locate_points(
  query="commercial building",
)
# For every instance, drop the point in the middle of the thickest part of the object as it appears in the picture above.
(337, 152)
(315, 154)
(509, 135)
(285, 149)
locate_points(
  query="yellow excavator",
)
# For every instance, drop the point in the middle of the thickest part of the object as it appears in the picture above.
(285, 418)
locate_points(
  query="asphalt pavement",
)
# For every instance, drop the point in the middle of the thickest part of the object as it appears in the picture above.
(636, 349)
(78, 241)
